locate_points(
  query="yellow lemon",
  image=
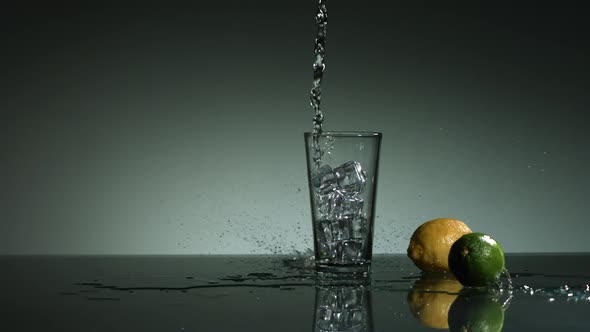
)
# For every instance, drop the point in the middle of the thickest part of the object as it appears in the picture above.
(431, 298)
(431, 242)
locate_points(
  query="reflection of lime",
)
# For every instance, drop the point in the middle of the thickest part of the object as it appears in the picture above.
(476, 314)
(430, 300)
(476, 259)
(430, 244)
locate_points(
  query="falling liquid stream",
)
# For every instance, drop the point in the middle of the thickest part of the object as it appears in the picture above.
(318, 74)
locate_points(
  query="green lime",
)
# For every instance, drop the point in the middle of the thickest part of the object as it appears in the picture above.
(476, 260)
(476, 314)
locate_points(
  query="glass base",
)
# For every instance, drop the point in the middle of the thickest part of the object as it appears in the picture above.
(343, 271)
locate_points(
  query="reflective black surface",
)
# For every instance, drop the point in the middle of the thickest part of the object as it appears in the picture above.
(263, 293)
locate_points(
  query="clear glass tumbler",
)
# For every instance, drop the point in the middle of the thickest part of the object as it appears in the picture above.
(342, 171)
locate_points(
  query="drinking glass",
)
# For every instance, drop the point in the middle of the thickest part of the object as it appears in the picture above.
(342, 172)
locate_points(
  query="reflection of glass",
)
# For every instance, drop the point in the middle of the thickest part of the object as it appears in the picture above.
(343, 308)
(342, 173)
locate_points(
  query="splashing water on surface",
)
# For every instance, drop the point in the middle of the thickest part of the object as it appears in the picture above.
(506, 276)
(301, 260)
(569, 294)
(509, 289)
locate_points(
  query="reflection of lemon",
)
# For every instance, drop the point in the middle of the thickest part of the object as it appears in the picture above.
(430, 244)
(430, 300)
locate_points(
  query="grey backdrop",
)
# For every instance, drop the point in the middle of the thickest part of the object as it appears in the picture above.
(178, 130)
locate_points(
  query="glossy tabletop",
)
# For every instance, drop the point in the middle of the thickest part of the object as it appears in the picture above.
(550, 292)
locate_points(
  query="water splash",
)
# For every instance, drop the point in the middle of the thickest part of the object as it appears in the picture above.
(506, 275)
(301, 260)
(569, 294)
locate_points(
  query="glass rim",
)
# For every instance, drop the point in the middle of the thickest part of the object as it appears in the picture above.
(345, 134)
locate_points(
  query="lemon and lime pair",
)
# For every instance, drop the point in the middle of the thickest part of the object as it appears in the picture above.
(474, 260)
(448, 245)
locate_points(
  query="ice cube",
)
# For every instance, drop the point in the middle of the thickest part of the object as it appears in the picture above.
(338, 317)
(325, 313)
(341, 229)
(325, 240)
(357, 318)
(323, 203)
(339, 249)
(351, 177)
(329, 298)
(352, 298)
(316, 178)
(330, 319)
(351, 250)
(359, 228)
(325, 320)
(324, 180)
(344, 205)
(327, 251)
(344, 324)
(325, 231)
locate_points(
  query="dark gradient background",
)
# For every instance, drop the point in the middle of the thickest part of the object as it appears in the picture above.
(173, 129)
